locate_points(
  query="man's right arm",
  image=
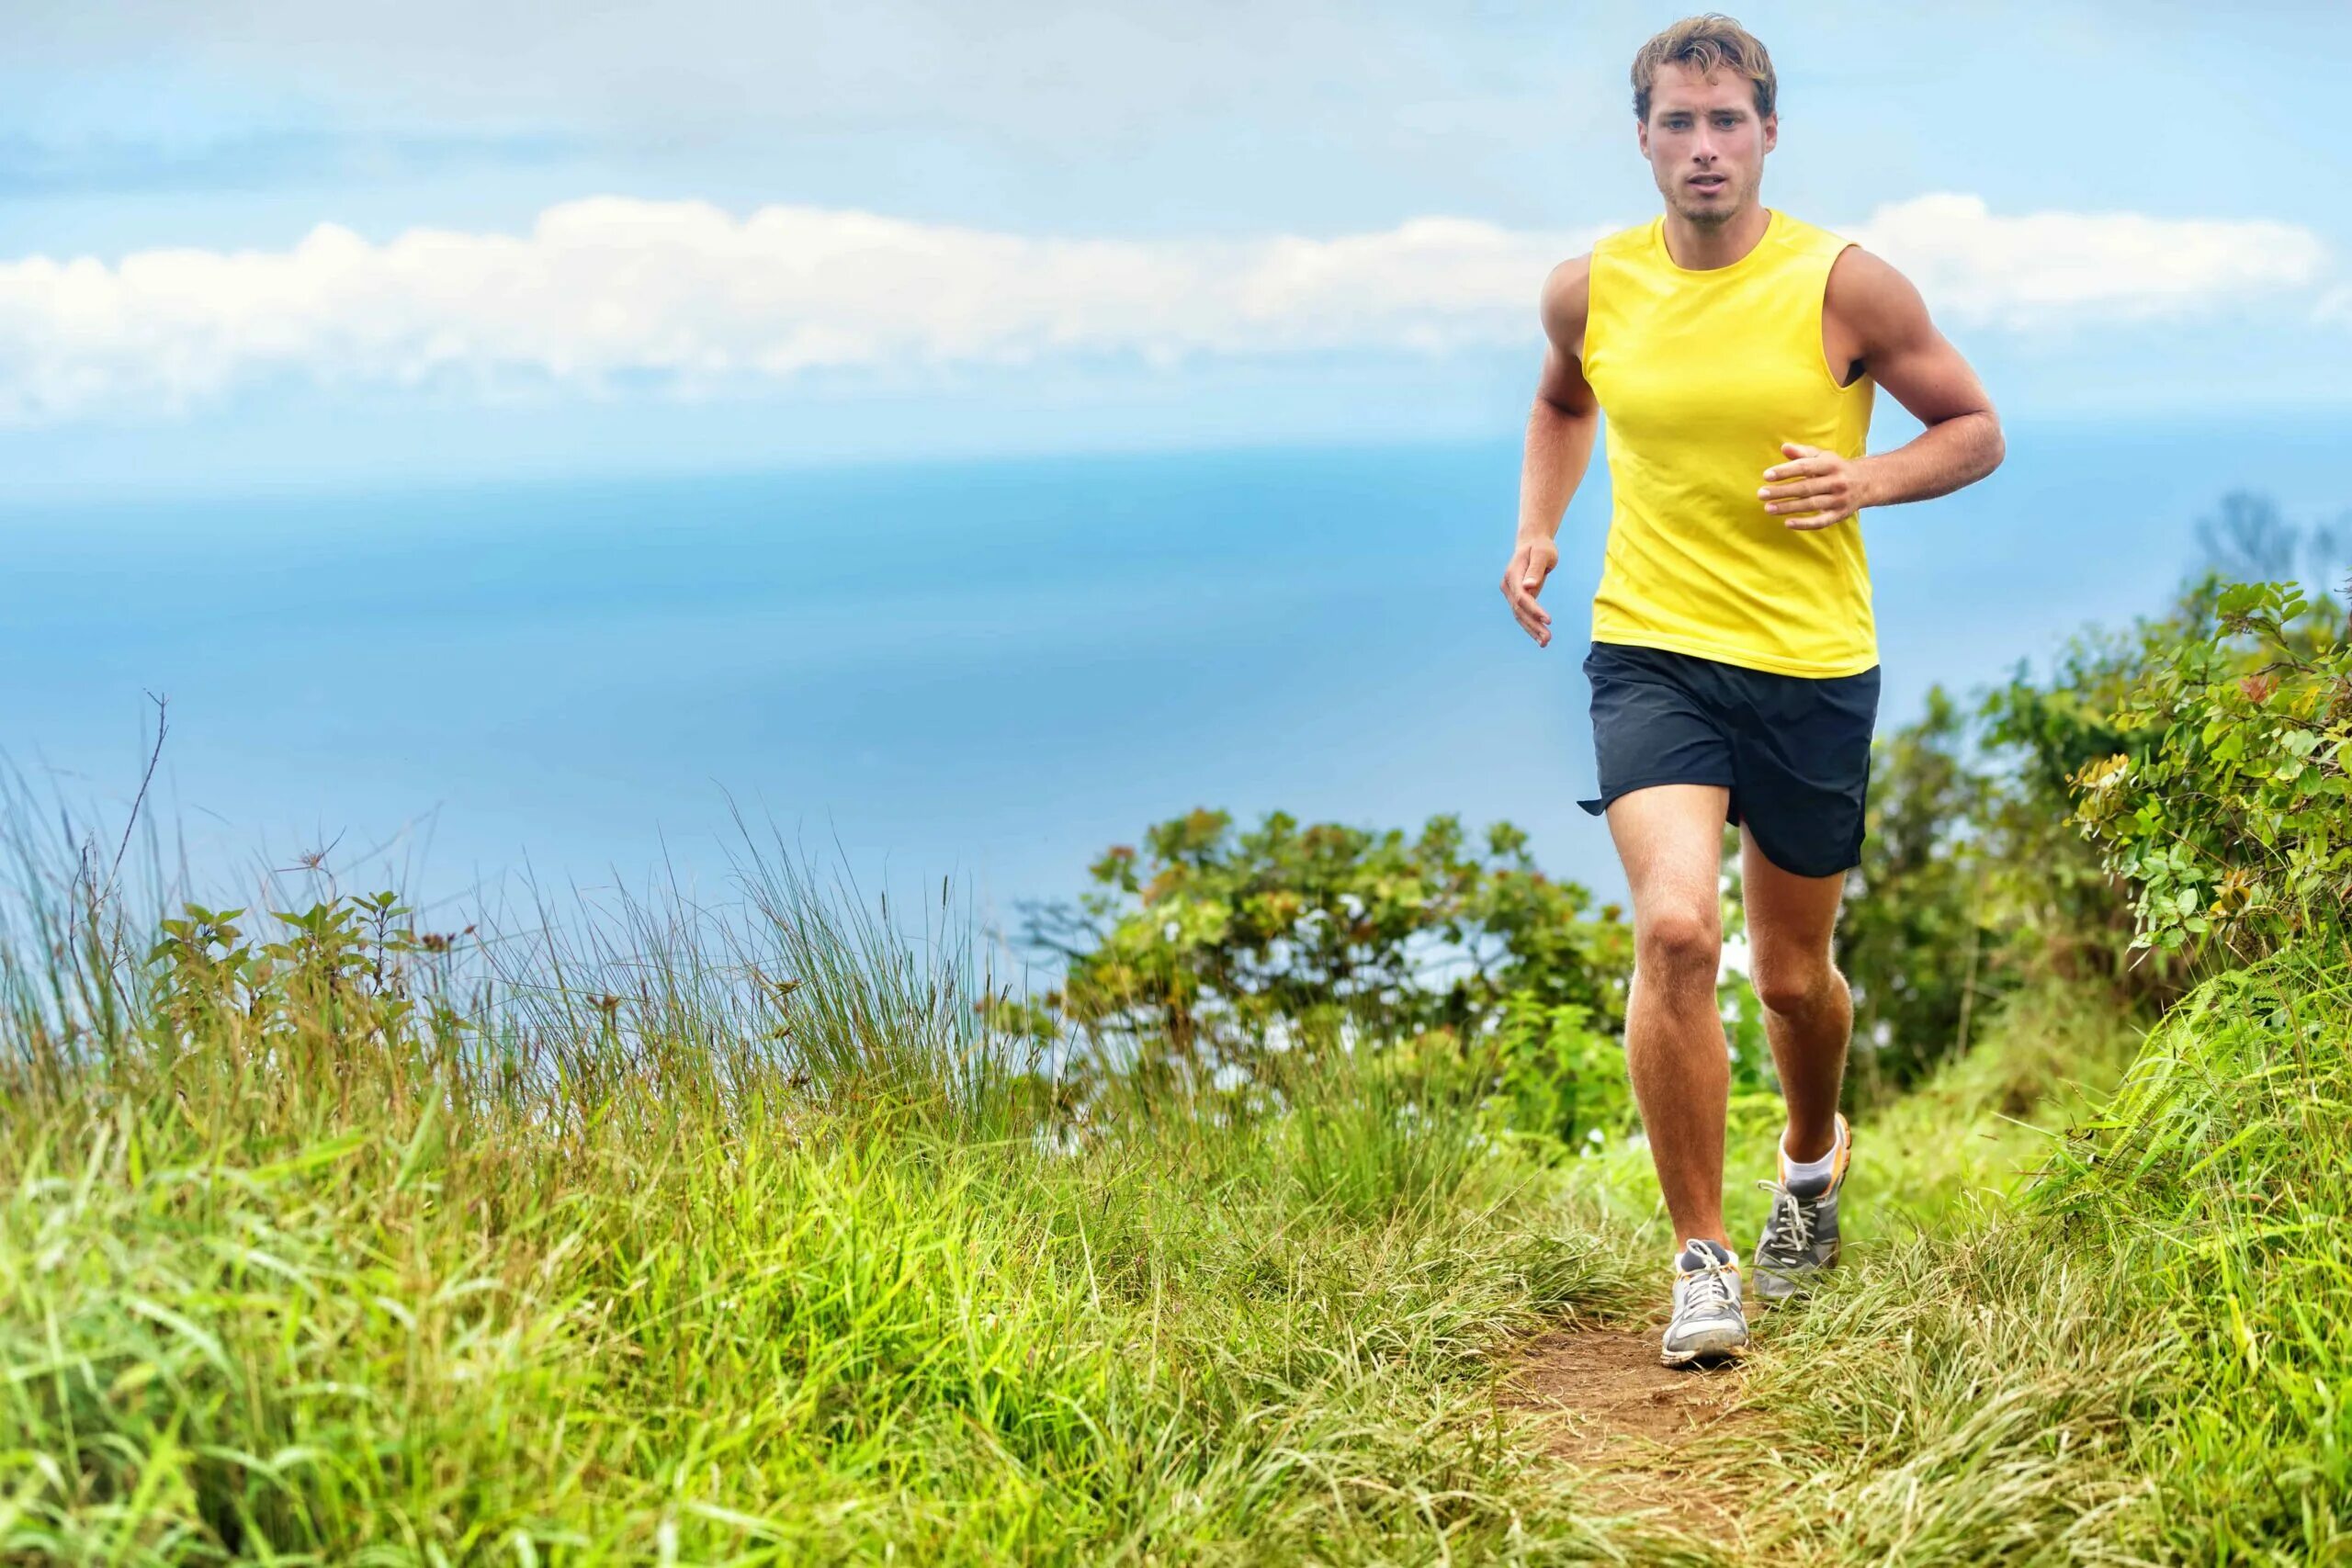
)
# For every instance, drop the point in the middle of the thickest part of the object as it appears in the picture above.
(1560, 433)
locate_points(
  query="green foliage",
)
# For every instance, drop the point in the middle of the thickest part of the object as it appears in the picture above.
(1554, 1074)
(2219, 1183)
(2064, 912)
(2231, 810)
(1375, 1144)
(1913, 937)
(340, 971)
(2068, 893)
(1542, 1072)
(1213, 943)
(2141, 1357)
(651, 1262)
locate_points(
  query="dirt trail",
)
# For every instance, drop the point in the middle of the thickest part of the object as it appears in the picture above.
(1619, 1417)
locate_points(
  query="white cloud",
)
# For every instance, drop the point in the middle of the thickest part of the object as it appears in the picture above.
(611, 293)
(2062, 266)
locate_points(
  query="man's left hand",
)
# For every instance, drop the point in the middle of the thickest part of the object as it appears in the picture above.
(1816, 488)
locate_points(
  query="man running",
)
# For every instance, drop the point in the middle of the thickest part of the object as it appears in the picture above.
(1733, 661)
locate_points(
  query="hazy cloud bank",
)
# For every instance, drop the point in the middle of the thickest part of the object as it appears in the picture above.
(611, 295)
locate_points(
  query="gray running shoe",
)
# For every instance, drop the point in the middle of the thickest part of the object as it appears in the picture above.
(1800, 1237)
(1708, 1325)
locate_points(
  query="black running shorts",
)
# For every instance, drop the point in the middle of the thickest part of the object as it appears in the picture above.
(1795, 751)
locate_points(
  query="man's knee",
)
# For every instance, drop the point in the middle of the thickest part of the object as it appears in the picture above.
(1789, 986)
(1681, 945)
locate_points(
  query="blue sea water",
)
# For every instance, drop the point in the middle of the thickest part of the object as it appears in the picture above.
(983, 670)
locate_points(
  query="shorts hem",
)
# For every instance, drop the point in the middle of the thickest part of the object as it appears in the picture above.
(1608, 797)
(1853, 858)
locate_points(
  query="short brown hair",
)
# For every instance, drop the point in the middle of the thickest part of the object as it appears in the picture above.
(1705, 44)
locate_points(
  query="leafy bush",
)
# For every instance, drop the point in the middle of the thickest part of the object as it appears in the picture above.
(1553, 1073)
(2064, 912)
(2066, 897)
(1913, 933)
(1547, 1070)
(339, 972)
(1212, 944)
(2229, 808)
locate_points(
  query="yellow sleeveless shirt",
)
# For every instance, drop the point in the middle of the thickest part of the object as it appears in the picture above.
(1701, 376)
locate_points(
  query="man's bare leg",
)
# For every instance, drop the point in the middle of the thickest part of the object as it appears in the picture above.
(1670, 838)
(1808, 1011)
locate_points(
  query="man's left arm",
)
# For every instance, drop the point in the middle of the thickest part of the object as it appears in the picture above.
(1887, 320)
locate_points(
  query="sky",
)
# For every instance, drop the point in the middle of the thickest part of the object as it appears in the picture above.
(261, 242)
(537, 420)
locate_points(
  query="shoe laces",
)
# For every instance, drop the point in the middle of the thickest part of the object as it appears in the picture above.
(1788, 1232)
(1709, 1280)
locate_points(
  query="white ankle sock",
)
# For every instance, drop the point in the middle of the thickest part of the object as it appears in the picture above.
(1794, 1170)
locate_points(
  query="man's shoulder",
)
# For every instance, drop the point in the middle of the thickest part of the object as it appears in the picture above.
(1568, 294)
(1871, 295)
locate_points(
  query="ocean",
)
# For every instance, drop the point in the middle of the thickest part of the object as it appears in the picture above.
(982, 671)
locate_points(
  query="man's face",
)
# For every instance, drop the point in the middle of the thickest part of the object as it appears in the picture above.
(1705, 144)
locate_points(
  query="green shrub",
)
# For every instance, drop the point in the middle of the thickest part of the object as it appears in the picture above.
(2230, 808)
(1210, 945)
(2063, 913)
(1913, 936)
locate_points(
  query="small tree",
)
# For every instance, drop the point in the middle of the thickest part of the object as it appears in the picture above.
(1210, 940)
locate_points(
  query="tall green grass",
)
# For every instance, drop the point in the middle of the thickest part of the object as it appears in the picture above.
(2220, 1182)
(1979, 1129)
(2141, 1357)
(670, 1232)
(675, 1236)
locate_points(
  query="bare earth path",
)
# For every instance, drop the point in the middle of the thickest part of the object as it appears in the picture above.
(1610, 1410)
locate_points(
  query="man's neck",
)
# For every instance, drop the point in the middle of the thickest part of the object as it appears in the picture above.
(1703, 247)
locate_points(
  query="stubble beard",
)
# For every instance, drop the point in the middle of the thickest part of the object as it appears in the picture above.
(1713, 214)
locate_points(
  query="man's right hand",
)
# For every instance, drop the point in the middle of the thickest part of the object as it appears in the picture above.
(1530, 565)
